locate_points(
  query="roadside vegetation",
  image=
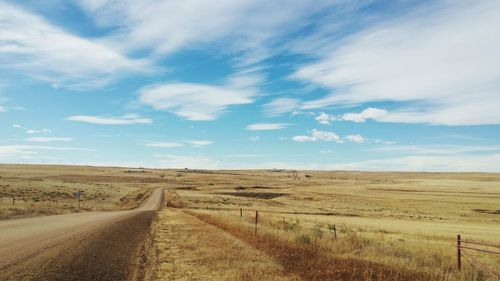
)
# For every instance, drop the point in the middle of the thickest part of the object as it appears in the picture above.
(390, 226)
(315, 254)
(37, 190)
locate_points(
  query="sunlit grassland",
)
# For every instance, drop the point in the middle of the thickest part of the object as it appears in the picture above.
(405, 220)
(35, 190)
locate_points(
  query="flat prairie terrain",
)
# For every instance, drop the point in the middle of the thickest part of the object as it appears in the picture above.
(312, 225)
(405, 221)
(37, 190)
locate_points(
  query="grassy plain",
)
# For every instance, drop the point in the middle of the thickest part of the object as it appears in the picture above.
(390, 226)
(405, 221)
(35, 190)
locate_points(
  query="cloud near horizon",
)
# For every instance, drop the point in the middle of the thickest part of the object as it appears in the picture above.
(266, 126)
(49, 139)
(102, 120)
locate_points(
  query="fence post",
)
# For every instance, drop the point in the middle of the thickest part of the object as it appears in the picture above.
(459, 253)
(256, 221)
(13, 201)
(335, 231)
(241, 212)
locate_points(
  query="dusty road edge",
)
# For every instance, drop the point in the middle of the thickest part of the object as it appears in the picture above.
(113, 252)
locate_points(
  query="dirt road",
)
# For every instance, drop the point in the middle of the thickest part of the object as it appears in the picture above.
(82, 246)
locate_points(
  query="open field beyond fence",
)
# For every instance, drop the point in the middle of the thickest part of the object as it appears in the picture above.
(404, 224)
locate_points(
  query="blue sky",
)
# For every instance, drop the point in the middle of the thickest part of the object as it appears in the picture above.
(337, 85)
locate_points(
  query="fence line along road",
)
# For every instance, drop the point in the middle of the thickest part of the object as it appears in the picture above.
(464, 250)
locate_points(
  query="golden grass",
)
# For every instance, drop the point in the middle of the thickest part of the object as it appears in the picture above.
(314, 254)
(47, 190)
(185, 248)
(305, 256)
(407, 221)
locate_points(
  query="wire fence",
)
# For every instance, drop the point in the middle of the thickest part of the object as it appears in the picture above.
(465, 249)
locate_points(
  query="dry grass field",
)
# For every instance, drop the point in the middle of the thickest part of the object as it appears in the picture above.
(35, 190)
(389, 226)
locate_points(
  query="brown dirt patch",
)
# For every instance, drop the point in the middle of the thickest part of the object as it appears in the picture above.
(258, 195)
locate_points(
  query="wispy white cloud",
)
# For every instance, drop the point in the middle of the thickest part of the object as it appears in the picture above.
(458, 163)
(254, 138)
(2, 109)
(369, 113)
(165, 26)
(357, 117)
(437, 149)
(245, 155)
(324, 118)
(104, 120)
(199, 143)
(197, 102)
(355, 138)
(163, 144)
(386, 142)
(32, 46)
(266, 126)
(282, 105)
(32, 131)
(328, 136)
(188, 161)
(41, 131)
(318, 135)
(33, 149)
(413, 62)
(49, 139)
(201, 102)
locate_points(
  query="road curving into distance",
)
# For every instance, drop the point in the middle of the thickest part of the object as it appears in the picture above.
(80, 246)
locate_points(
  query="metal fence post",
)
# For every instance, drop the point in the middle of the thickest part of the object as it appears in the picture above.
(256, 221)
(459, 253)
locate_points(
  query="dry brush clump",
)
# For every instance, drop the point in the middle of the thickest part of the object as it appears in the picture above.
(314, 254)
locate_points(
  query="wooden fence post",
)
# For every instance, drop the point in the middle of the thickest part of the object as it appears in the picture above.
(256, 221)
(335, 231)
(13, 200)
(241, 212)
(459, 253)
